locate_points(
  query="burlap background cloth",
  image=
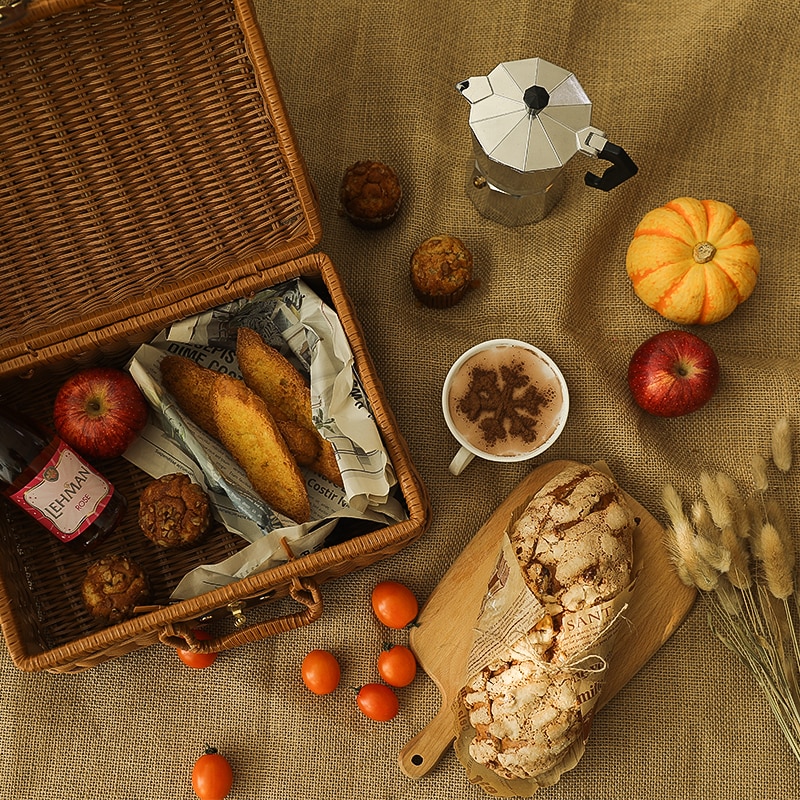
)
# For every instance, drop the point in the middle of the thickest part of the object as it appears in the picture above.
(703, 95)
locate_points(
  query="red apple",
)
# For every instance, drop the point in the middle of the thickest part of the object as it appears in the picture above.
(99, 411)
(673, 373)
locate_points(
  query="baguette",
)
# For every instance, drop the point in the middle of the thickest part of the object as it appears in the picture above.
(190, 384)
(286, 394)
(250, 434)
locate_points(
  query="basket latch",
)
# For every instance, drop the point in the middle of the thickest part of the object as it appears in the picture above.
(237, 610)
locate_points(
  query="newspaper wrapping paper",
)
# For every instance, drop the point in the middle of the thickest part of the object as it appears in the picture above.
(293, 319)
(509, 611)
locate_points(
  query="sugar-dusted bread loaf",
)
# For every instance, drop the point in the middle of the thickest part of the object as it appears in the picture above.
(574, 545)
(574, 540)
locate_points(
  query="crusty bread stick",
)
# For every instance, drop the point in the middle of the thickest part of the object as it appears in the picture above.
(272, 376)
(190, 384)
(250, 434)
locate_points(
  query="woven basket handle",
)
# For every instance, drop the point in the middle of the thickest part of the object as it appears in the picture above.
(303, 590)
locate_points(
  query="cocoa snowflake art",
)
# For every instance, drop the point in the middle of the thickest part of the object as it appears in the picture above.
(503, 403)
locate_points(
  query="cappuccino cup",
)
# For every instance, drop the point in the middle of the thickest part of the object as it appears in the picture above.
(503, 400)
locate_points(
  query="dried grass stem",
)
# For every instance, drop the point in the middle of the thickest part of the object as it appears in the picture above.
(740, 553)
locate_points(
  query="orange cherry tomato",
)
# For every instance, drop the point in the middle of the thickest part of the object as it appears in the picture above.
(394, 604)
(212, 776)
(198, 660)
(397, 665)
(320, 671)
(377, 701)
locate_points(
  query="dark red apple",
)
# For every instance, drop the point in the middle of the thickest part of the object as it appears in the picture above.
(99, 411)
(673, 373)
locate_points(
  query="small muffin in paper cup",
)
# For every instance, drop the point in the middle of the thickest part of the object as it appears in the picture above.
(544, 637)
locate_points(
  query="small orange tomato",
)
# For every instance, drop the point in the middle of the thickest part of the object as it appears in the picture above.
(377, 701)
(198, 660)
(320, 671)
(394, 604)
(397, 665)
(212, 776)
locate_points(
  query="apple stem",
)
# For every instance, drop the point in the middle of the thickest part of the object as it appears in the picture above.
(704, 252)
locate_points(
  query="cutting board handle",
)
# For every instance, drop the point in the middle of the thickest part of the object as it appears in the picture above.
(426, 749)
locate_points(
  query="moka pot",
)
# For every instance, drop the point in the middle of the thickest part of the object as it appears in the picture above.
(528, 118)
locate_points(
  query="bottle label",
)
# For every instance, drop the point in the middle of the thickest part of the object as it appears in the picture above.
(66, 495)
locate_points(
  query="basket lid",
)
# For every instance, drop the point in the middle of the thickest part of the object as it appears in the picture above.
(147, 164)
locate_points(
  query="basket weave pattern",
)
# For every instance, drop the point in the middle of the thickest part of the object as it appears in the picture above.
(144, 159)
(148, 172)
(45, 624)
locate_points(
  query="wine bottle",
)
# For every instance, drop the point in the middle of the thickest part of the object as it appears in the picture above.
(54, 484)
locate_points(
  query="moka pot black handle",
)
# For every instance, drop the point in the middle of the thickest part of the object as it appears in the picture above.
(622, 167)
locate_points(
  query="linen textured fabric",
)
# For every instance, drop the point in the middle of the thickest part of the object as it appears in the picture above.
(702, 94)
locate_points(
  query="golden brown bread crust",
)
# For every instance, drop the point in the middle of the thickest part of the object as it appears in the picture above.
(302, 443)
(287, 396)
(250, 434)
(272, 376)
(190, 384)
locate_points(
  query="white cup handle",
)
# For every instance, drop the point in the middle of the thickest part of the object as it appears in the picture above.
(461, 461)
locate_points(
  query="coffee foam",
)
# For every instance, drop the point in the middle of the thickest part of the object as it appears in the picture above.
(529, 414)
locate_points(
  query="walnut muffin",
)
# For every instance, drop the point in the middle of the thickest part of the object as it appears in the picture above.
(173, 511)
(113, 587)
(441, 271)
(370, 194)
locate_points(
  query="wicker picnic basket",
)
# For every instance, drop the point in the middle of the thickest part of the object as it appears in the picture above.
(149, 172)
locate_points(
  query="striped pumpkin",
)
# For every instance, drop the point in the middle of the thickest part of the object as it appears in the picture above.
(693, 261)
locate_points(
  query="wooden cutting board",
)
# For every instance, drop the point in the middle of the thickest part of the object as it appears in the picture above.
(442, 637)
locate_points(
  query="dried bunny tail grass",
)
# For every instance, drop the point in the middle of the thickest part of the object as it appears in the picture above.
(707, 543)
(777, 516)
(673, 505)
(705, 577)
(756, 513)
(716, 499)
(770, 551)
(739, 570)
(758, 468)
(676, 552)
(729, 599)
(692, 569)
(681, 540)
(782, 444)
(740, 517)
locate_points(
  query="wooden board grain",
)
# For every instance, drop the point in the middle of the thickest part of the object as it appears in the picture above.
(442, 638)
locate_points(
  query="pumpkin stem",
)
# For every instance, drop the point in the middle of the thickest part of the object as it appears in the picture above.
(703, 252)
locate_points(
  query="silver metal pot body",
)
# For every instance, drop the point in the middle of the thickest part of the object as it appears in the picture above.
(511, 199)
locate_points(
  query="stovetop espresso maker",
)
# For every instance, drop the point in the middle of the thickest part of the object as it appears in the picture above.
(528, 118)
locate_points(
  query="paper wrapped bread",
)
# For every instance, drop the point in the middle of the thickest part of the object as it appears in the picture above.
(544, 638)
